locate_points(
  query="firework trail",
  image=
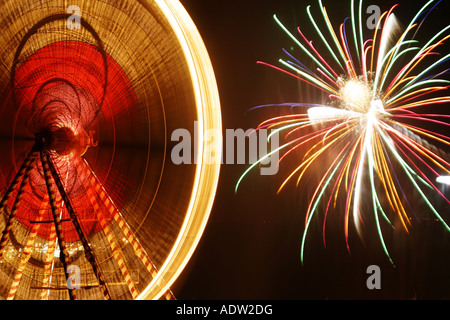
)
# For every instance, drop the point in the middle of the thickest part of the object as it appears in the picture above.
(376, 126)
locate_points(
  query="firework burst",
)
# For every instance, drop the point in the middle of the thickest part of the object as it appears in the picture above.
(376, 125)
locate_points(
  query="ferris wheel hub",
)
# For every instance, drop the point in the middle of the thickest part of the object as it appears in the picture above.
(63, 141)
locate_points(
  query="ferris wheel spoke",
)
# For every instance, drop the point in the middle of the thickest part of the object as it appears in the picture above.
(49, 255)
(113, 210)
(88, 252)
(26, 254)
(116, 250)
(27, 166)
(60, 235)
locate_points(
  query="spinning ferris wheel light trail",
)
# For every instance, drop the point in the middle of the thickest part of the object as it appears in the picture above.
(91, 205)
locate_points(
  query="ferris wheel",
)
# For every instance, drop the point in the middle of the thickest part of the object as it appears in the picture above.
(92, 205)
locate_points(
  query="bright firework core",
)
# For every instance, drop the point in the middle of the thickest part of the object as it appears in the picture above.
(357, 100)
(356, 95)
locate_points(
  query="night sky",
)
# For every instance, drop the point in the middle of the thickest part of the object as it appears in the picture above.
(251, 246)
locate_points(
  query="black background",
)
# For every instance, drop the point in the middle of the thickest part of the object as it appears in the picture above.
(251, 246)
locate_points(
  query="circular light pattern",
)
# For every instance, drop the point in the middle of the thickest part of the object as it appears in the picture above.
(101, 100)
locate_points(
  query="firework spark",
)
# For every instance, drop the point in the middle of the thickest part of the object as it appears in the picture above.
(443, 180)
(375, 125)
